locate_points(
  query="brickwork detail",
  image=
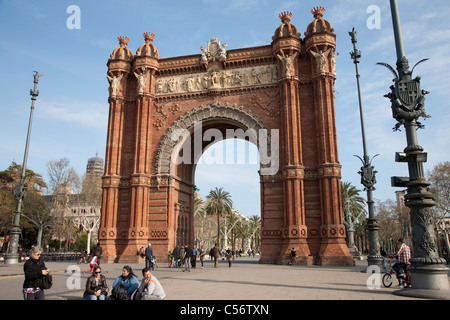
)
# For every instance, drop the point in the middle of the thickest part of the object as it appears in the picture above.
(286, 86)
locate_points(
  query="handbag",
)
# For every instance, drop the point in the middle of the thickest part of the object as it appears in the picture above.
(47, 282)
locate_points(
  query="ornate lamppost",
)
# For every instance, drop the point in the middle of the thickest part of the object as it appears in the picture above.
(12, 256)
(429, 273)
(367, 172)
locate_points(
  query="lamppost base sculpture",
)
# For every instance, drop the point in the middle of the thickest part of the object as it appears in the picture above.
(429, 274)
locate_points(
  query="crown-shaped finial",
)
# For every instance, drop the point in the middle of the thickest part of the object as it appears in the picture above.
(286, 15)
(318, 12)
(123, 40)
(149, 36)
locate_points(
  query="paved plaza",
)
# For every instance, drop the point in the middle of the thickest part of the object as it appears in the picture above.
(245, 280)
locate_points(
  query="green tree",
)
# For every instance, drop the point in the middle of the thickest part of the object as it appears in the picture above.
(9, 179)
(219, 203)
(255, 231)
(353, 205)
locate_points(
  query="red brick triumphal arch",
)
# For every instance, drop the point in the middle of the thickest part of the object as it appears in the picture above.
(164, 112)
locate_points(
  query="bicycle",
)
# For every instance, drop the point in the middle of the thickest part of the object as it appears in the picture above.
(388, 278)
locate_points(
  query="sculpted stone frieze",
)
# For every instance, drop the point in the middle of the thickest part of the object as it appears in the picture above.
(217, 79)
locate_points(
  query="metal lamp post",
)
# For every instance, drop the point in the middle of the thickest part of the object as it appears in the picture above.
(367, 172)
(12, 256)
(429, 273)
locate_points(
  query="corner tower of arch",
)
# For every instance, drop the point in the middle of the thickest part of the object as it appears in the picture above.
(281, 95)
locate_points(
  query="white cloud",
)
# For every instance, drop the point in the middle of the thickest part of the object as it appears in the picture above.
(84, 113)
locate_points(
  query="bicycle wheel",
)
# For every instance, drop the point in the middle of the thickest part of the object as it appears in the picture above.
(387, 280)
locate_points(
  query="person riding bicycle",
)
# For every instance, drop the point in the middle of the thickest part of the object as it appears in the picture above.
(402, 255)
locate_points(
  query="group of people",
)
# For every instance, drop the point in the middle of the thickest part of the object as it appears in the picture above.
(125, 287)
(185, 256)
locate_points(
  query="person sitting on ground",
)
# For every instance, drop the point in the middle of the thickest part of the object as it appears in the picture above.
(150, 288)
(96, 287)
(124, 285)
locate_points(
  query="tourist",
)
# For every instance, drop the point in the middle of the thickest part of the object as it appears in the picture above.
(124, 285)
(216, 254)
(148, 256)
(186, 258)
(150, 288)
(402, 255)
(202, 255)
(34, 270)
(92, 264)
(97, 251)
(96, 287)
(194, 254)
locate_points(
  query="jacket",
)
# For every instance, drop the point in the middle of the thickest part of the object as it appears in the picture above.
(216, 252)
(92, 286)
(153, 287)
(33, 273)
(131, 284)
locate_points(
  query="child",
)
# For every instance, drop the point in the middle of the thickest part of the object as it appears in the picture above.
(92, 264)
(170, 258)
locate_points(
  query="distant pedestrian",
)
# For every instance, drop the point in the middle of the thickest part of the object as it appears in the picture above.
(216, 254)
(202, 255)
(230, 259)
(34, 270)
(93, 263)
(148, 256)
(187, 258)
(194, 254)
(97, 251)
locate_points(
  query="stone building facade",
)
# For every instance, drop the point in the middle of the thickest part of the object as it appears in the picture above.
(280, 96)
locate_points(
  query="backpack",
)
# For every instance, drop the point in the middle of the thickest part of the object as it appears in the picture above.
(119, 292)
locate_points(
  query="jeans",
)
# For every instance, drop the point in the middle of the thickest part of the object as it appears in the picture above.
(94, 297)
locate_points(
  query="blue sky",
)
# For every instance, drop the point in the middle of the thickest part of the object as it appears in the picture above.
(70, 118)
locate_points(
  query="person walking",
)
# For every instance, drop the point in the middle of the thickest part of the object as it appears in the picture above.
(202, 255)
(148, 256)
(194, 254)
(34, 270)
(92, 264)
(216, 254)
(186, 259)
(98, 252)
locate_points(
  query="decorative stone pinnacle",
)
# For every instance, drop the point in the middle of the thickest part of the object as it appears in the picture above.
(285, 16)
(149, 36)
(318, 12)
(123, 40)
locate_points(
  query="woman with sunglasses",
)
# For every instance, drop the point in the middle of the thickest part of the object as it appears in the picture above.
(34, 269)
(96, 287)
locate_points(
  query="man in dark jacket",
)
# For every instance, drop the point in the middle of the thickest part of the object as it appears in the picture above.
(148, 256)
(216, 254)
(34, 269)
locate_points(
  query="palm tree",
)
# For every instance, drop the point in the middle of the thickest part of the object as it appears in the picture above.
(255, 230)
(354, 208)
(219, 203)
(352, 202)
